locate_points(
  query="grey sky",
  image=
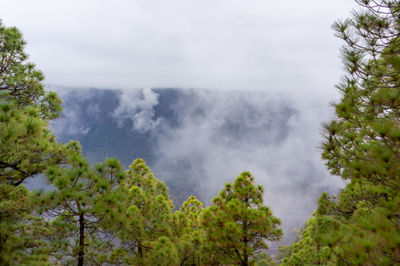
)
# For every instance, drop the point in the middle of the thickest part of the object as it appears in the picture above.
(256, 45)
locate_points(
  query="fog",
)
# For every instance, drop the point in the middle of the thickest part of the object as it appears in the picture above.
(197, 140)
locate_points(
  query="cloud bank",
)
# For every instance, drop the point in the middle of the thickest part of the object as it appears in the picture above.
(197, 140)
(221, 134)
(231, 45)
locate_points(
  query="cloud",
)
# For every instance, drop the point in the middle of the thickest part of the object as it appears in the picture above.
(137, 106)
(257, 45)
(71, 122)
(276, 137)
(197, 140)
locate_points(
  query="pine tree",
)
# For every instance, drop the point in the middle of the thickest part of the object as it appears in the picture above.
(22, 235)
(163, 253)
(188, 234)
(237, 224)
(21, 82)
(27, 148)
(148, 213)
(84, 207)
(361, 226)
(263, 259)
(363, 141)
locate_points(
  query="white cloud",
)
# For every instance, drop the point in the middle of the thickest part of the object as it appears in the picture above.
(70, 123)
(137, 106)
(210, 137)
(221, 134)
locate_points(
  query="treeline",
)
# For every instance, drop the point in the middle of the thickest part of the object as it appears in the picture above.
(104, 215)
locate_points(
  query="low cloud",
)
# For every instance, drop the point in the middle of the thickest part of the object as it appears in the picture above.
(71, 123)
(276, 137)
(137, 107)
(197, 140)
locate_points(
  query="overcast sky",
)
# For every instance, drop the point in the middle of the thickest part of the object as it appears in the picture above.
(255, 45)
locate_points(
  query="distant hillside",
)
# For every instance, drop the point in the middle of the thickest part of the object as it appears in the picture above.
(90, 117)
(196, 140)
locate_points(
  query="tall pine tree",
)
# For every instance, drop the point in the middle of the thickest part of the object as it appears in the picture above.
(188, 233)
(361, 226)
(27, 148)
(147, 216)
(237, 224)
(84, 206)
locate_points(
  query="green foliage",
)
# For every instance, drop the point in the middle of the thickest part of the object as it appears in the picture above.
(22, 236)
(188, 234)
(147, 212)
(263, 259)
(20, 82)
(361, 226)
(237, 224)
(164, 253)
(27, 148)
(310, 249)
(85, 206)
(363, 141)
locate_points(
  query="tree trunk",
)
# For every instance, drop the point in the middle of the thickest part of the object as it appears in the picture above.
(140, 251)
(245, 261)
(81, 253)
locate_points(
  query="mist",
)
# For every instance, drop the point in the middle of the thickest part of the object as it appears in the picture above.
(197, 140)
(221, 134)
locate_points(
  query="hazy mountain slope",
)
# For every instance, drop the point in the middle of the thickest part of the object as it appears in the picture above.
(196, 140)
